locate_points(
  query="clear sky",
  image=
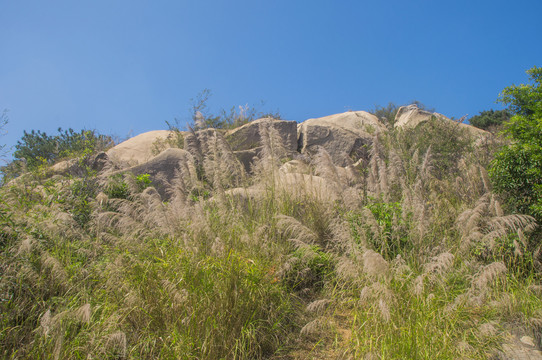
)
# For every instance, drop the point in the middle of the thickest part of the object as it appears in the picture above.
(126, 67)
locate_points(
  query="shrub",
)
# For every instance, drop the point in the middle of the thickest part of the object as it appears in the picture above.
(516, 172)
(445, 140)
(36, 147)
(490, 119)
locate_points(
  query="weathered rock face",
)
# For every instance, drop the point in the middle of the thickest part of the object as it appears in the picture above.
(248, 137)
(341, 135)
(411, 116)
(138, 149)
(162, 168)
(246, 142)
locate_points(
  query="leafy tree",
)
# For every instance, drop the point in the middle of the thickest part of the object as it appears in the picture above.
(37, 148)
(386, 113)
(490, 119)
(516, 171)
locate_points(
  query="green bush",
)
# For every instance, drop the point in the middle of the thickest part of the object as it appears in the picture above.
(309, 268)
(490, 119)
(117, 188)
(36, 148)
(516, 171)
(390, 238)
(446, 141)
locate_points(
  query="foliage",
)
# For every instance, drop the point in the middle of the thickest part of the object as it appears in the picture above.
(445, 142)
(386, 113)
(175, 139)
(310, 268)
(37, 148)
(118, 188)
(516, 171)
(390, 237)
(143, 181)
(79, 197)
(490, 119)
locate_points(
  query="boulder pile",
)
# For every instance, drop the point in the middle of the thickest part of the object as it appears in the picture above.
(346, 137)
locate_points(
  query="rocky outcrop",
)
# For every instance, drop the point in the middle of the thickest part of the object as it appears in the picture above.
(248, 136)
(163, 168)
(246, 141)
(346, 135)
(411, 116)
(138, 149)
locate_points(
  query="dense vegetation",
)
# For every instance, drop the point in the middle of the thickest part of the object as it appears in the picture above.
(37, 149)
(409, 254)
(490, 119)
(517, 169)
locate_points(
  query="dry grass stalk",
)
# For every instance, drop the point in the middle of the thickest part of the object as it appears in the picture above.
(318, 306)
(377, 294)
(83, 313)
(488, 275)
(374, 264)
(312, 328)
(292, 227)
(57, 271)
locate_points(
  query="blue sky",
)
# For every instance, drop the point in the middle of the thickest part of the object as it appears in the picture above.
(126, 67)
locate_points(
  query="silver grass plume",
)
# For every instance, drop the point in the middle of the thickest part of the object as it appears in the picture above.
(397, 170)
(439, 265)
(116, 343)
(178, 297)
(488, 275)
(318, 306)
(377, 294)
(347, 270)
(326, 168)
(374, 264)
(56, 269)
(433, 271)
(312, 328)
(221, 166)
(83, 314)
(293, 228)
(273, 150)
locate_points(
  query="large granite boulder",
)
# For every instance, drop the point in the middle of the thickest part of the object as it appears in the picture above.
(346, 135)
(140, 148)
(411, 116)
(246, 142)
(163, 168)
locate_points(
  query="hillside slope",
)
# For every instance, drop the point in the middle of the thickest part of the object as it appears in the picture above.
(336, 238)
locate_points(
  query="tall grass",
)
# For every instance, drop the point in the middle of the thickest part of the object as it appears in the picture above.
(406, 254)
